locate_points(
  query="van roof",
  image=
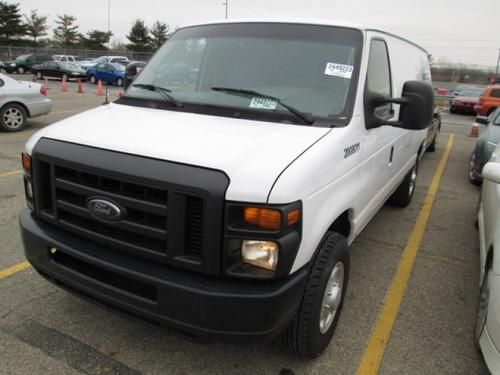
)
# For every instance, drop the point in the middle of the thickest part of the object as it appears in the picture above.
(306, 21)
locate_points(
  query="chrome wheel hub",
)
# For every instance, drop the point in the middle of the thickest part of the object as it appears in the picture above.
(332, 297)
(413, 179)
(12, 118)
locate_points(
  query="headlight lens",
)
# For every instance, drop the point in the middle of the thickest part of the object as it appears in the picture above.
(263, 254)
(12, 64)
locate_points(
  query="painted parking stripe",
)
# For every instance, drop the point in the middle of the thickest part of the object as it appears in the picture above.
(381, 331)
(13, 173)
(14, 269)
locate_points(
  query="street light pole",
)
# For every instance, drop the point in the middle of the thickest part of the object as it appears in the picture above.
(498, 62)
(226, 3)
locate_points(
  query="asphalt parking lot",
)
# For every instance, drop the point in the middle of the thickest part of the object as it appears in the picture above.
(45, 330)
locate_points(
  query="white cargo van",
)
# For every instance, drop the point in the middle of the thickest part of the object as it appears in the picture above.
(220, 193)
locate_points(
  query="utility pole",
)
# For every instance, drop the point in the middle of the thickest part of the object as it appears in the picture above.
(226, 3)
(498, 62)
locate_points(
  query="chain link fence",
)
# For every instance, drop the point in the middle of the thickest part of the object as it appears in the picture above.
(11, 52)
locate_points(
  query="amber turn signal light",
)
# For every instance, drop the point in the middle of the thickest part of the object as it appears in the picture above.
(265, 218)
(293, 217)
(26, 163)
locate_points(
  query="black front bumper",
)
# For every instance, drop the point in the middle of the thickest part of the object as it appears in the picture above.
(202, 305)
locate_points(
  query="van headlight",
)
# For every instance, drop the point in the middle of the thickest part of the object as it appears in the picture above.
(261, 240)
(263, 254)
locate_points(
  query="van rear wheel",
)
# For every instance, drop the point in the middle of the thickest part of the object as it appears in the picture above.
(311, 330)
(404, 193)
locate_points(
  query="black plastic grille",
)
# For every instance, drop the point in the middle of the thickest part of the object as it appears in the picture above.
(194, 225)
(142, 232)
(173, 212)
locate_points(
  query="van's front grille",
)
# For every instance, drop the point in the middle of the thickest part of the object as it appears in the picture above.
(164, 213)
(143, 231)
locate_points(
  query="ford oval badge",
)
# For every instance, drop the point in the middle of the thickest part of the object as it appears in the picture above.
(104, 209)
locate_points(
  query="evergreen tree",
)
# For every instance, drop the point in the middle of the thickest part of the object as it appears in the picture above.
(96, 39)
(159, 34)
(139, 37)
(66, 33)
(11, 24)
(36, 26)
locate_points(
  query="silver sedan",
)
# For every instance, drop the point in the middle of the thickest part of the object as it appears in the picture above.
(20, 100)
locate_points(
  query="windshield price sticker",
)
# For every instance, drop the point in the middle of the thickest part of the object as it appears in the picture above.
(262, 103)
(339, 70)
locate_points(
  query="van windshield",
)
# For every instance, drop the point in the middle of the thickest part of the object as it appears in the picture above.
(313, 69)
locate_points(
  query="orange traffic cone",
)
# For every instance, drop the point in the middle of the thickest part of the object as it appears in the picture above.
(100, 91)
(64, 85)
(80, 87)
(474, 131)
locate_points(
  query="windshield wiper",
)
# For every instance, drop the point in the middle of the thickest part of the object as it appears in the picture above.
(164, 92)
(305, 117)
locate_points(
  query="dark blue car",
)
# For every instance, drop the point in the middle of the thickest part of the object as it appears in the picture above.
(109, 73)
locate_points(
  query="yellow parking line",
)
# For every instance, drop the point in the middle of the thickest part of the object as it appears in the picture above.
(13, 173)
(14, 269)
(382, 329)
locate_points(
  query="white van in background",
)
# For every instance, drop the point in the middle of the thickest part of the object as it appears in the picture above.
(219, 194)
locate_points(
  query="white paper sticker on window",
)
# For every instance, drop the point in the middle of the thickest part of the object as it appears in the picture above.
(339, 70)
(263, 103)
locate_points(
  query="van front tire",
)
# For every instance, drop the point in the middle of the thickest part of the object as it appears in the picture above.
(311, 330)
(404, 193)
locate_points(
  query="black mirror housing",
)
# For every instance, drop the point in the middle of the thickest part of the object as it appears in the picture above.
(417, 107)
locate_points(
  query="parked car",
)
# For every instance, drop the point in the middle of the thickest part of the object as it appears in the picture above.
(66, 58)
(61, 70)
(224, 204)
(461, 89)
(123, 60)
(487, 332)
(109, 73)
(466, 101)
(20, 100)
(132, 70)
(23, 64)
(489, 101)
(433, 131)
(485, 145)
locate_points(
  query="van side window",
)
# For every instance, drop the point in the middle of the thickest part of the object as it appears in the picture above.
(379, 76)
(495, 93)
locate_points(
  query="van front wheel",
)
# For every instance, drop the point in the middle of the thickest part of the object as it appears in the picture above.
(311, 330)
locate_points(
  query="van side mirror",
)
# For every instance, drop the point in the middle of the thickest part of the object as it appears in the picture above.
(417, 107)
(483, 120)
(491, 171)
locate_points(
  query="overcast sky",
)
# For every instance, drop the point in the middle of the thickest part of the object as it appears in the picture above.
(460, 31)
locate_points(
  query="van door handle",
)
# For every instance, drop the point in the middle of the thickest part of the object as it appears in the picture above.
(392, 154)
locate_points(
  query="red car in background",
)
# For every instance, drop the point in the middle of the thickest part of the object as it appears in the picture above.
(489, 101)
(466, 101)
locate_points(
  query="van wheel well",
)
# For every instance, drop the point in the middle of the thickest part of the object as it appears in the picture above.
(342, 225)
(420, 150)
(489, 259)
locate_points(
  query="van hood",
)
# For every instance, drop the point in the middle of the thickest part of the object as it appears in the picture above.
(251, 153)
